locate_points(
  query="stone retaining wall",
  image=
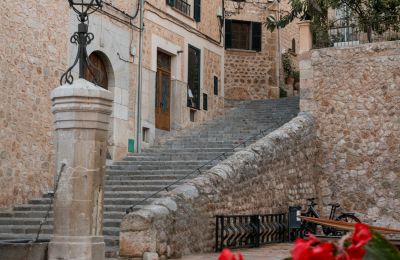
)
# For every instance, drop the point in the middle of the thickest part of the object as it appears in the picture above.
(266, 177)
(354, 95)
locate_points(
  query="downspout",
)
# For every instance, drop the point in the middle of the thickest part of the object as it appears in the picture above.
(278, 70)
(140, 81)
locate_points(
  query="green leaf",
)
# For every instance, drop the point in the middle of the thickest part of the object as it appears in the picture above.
(379, 248)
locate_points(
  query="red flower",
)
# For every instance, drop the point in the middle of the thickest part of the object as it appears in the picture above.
(227, 254)
(322, 251)
(312, 249)
(361, 237)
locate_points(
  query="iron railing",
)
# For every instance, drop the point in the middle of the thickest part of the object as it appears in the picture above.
(347, 31)
(198, 170)
(243, 231)
(183, 6)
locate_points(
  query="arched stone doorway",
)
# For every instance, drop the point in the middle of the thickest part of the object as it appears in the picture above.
(102, 74)
(97, 71)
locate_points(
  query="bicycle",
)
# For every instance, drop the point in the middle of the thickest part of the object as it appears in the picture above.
(308, 227)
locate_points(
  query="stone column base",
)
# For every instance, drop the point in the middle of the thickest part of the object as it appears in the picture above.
(77, 248)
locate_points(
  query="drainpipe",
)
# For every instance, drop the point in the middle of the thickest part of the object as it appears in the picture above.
(140, 82)
(278, 71)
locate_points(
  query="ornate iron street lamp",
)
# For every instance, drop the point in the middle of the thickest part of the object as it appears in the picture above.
(82, 37)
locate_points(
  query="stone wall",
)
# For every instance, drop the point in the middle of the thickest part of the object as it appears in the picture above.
(251, 75)
(354, 94)
(266, 177)
(33, 55)
(34, 52)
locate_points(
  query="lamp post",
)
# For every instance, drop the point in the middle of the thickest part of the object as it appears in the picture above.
(82, 37)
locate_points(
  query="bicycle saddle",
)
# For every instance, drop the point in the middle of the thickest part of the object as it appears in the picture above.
(336, 205)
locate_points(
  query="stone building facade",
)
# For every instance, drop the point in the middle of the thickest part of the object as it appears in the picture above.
(358, 122)
(35, 51)
(33, 55)
(251, 72)
(174, 30)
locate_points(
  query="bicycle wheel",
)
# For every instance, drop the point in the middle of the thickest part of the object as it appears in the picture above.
(346, 218)
(306, 228)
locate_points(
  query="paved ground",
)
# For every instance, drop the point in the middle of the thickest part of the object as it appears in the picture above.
(270, 252)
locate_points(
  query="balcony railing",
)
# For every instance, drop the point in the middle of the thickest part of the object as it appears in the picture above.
(183, 6)
(347, 31)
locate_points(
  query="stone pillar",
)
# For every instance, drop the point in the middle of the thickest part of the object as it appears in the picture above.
(81, 118)
(305, 36)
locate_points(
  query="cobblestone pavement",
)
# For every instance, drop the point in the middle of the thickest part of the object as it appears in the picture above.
(269, 252)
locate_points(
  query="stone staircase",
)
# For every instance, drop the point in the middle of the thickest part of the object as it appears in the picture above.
(137, 177)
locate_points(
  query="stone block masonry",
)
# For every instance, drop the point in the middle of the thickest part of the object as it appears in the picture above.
(354, 95)
(266, 177)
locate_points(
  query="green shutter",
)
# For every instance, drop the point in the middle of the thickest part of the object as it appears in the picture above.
(197, 10)
(228, 34)
(171, 2)
(256, 36)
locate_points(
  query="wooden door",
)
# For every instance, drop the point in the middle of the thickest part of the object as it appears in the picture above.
(163, 92)
(97, 72)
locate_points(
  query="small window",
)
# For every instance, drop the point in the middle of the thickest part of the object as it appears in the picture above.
(293, 45)
(205, 102)
(146, 134)
(243, 35)
(192, 115)
(216, 85)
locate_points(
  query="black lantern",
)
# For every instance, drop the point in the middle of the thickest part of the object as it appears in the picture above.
(82, 37)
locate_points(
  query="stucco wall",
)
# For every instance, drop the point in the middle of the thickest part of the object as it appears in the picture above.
(354, 94)
(266, 177)
(165, 31)
(33, 55)
(251, 75)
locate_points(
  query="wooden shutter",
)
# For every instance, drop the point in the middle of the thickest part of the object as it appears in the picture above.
(228, 34)
(171, 2)
(197, 10)
(256, 36)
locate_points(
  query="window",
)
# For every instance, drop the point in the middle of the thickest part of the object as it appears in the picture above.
(205, 102)
(293, 45)
(185, 7)
(216, 85)
(243, 35)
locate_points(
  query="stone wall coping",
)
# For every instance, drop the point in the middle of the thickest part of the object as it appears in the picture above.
(81, 88)
(373, 47)
(267, 148)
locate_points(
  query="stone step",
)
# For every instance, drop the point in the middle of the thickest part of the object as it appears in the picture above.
(41, 214)
(181, 156)
(111, 241)
(117, 188)
(36, 221)
(179, 163)
(46, 229)
(145, 177)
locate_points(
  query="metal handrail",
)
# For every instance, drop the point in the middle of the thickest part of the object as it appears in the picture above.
(197, 170)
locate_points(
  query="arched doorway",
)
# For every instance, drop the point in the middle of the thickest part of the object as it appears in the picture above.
(97, 71)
